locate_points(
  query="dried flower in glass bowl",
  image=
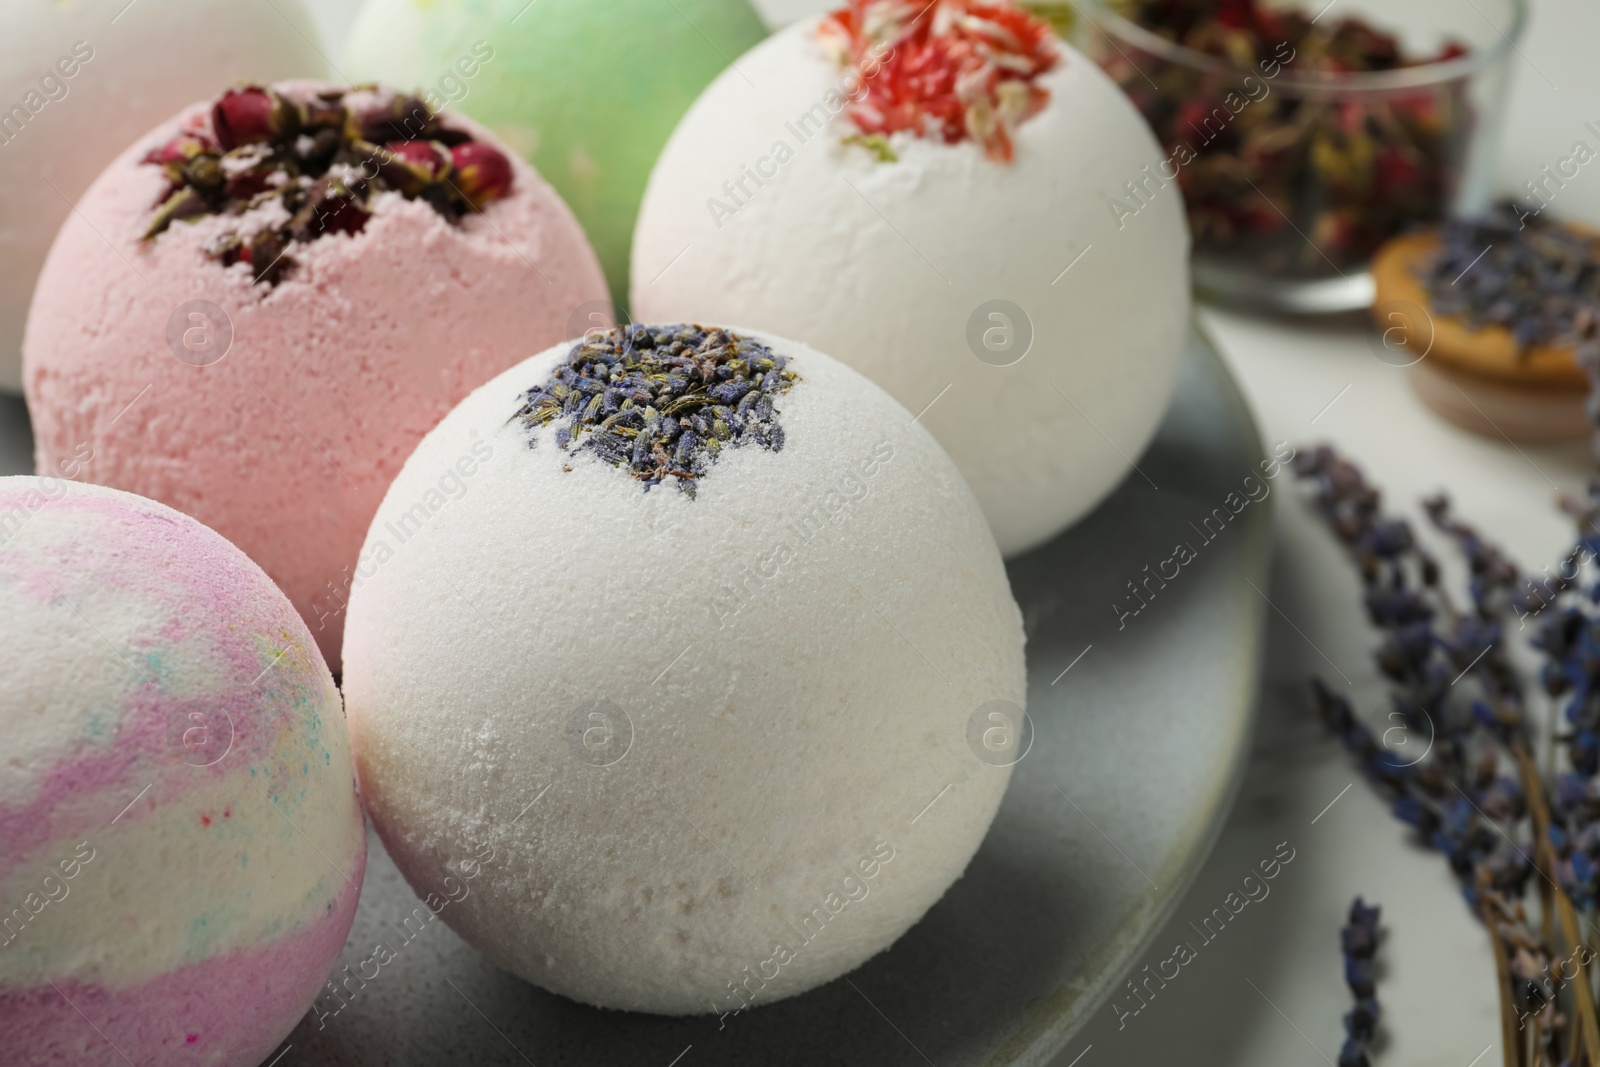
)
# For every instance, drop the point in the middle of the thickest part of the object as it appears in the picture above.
(1302, 140)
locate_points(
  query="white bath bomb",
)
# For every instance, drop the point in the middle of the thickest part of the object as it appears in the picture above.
(1042, 325)
(81, 81)
(673, 751)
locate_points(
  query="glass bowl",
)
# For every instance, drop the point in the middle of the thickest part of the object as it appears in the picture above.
(1292, 179)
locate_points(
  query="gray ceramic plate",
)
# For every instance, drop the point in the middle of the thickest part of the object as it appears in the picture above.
(1141, 728)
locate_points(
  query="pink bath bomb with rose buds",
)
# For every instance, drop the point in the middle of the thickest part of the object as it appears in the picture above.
(181, 843)
(261, 307)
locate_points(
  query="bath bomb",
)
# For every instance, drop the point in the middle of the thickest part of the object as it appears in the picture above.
(700, 649)
(261, 307)
(933, 200)
(77, 83)
(588, 92)
(181, 846)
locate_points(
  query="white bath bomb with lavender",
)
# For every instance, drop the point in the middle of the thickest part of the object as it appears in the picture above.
(669, 638)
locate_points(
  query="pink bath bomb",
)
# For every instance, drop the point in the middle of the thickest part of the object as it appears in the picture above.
(321, 287)
(181, 845)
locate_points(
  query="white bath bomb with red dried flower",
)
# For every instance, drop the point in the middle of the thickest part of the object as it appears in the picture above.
(259, 309)
(923, 191)
(80, 80)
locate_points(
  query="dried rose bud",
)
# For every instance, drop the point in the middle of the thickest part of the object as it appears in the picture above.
(183, 204)
(341, 214)
(411, 165)
(178, 153)
(320, 113)
(250, 184)
(228, 250)
(181, 149)
(266, 257)
(251, 115)
(335, 210)
(204, 172)
(405, 118)
(483, 173)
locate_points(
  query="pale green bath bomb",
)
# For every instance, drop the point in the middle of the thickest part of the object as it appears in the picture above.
(586, 90)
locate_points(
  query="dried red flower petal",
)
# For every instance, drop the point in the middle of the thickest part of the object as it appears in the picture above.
(483, 173)
(954, 69)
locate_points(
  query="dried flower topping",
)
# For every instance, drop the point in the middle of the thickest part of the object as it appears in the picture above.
(662, 401)
(954, 69)
(323, 159)
(1538, 279)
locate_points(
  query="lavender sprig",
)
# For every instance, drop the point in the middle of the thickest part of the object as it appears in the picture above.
(1358, 942)
(1450, 793)
(1453, 794)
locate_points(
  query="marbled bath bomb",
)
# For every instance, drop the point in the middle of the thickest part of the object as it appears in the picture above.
(181, 845)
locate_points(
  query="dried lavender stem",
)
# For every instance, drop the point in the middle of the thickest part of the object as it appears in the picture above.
(1533, 789)
(1583, 996)
(1509, 1045)
(1547, 914)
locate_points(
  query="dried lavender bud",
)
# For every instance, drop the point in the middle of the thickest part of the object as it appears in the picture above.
(323, 164)
(1359, 944)
(1569, 638)
(1362, 1022)
(1538, 279)
(642, 398)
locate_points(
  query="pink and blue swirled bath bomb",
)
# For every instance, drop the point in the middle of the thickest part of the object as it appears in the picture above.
(181, 846)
